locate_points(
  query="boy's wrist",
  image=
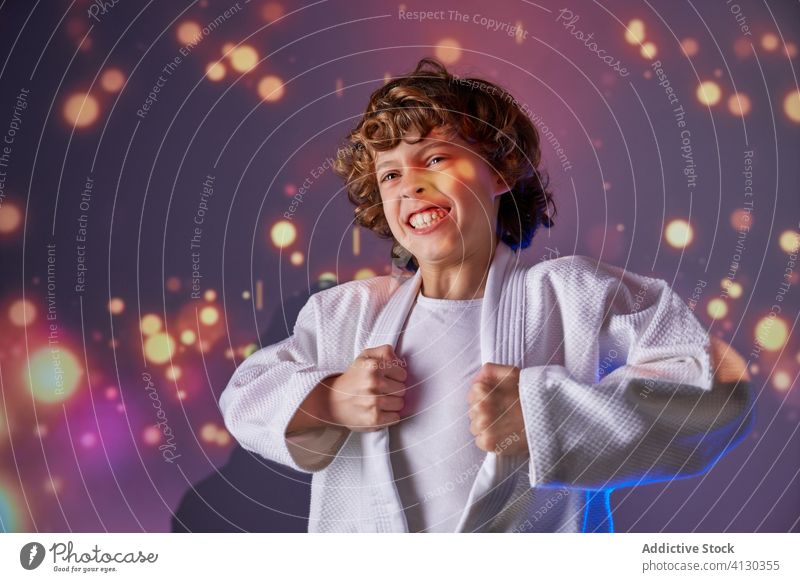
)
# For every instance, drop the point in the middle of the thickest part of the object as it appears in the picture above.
(315, 411)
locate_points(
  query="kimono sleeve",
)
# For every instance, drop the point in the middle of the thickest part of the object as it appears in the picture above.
(658, 416)
(266, 390)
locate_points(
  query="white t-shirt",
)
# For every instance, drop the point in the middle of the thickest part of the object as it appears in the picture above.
(434, 456)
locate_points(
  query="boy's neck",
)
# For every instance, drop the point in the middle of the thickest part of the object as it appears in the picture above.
(464, 280)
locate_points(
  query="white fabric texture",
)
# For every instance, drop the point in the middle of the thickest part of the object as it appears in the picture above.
(434, 456)
(566, 323)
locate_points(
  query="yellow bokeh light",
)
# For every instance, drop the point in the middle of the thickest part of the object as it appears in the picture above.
(690, 46)
(734, 289)
(81, 110)
(649, 50)
(679, 233)
(634, 33)
(789, 241)
(244, 58)
(159, 348)
(10, 217)
(283, 233)
(223, 438)
(297, 258)
(327, 277)
(770, 41)
(271, 88)
(151, 323)
(448, 50)
(208, 432)
(112, 80)
(209, 315)
(364, 274)
(173, 373)
(188, 337)
(54, 374)
(116, 306)
(22, 312)
(739, 104)
(709, 93)
(771, 333)
(782, 380)
(717, 308)
(215, 71)
(210, 295)
(791, 106)
(188, 32)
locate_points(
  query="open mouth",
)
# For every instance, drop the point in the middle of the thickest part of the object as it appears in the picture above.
(427, 217)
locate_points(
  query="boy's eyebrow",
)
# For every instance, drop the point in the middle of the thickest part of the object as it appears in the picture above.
(421, 149)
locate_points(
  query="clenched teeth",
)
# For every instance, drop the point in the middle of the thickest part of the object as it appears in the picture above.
(427, 217)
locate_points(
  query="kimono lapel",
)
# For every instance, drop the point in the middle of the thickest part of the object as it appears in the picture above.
(501, 343)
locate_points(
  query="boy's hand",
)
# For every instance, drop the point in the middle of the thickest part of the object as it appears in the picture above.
(369, 395)
(495, 411)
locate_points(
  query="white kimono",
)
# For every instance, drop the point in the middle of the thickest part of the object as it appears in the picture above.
(615, 384)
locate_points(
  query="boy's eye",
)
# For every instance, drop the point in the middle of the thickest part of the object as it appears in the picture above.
(430, 162)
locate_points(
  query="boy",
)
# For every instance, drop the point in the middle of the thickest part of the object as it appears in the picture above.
(479, 394)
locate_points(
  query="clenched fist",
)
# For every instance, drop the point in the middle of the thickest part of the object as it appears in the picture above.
(369, 395)
(495, 412)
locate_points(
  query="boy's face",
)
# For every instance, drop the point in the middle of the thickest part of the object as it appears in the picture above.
(440, 198)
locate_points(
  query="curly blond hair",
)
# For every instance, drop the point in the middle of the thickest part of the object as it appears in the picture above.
(482, 114)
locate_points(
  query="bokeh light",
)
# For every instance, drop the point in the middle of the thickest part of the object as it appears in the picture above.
(770, 42)
(717, 308)
(22, 312)
(54, 374)
(690, 47)
(771, 333)
(709, 93)
(209, 315)
(789, 241)
(116, 306)
(679, 233)
(188, 337)
(364, 274)
(244, 58)
(739, 104)
(151, 323)
(159, 348)
(112, 80)
(733, 288)
(215, 71)
(272, 11)
(782, 380)
(296, 258)
(741, 219)
(188, 32)
(634, 33)
(649, 50)
(791, 106)
(10, 217)
(271, 88)
(81, 110)
(448, 50)
(283, 233)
